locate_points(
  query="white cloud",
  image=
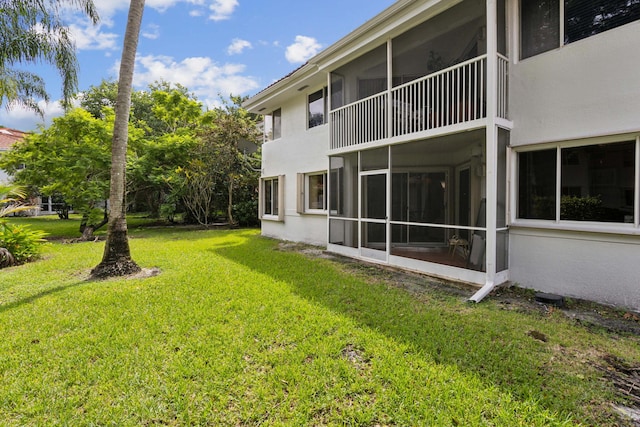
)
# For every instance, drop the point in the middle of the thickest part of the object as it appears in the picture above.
(108, 8)
(222, 9)
(89, 37)
(201, 75)
(22, 119)
(237, 46)
(151, 31)
(161, 5)
(302, 49)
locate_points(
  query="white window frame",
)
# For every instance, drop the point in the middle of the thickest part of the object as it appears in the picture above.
(571, 225)
(561, 28)
(274, 114)
(279, 216)
(324, 98)
(304, 191)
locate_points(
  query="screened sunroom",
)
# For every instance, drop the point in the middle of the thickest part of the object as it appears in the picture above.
(421, 205)
(418, 147)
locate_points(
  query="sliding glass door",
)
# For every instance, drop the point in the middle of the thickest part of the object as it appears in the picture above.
(374, 217)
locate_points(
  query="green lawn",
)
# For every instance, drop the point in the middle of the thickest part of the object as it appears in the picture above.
(234, 331)
(70, 229)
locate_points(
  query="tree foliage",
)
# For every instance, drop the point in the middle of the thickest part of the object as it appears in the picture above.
(70, 158)
(32, 31)
(18, 244)
(192, 165)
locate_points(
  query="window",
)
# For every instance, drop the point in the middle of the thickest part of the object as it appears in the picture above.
(316, 194)
(586, 18)
(597, 183)
(271, 197)
(317, 108)
(537, 184)
(541, 26)
(276, 123)
(596, 188)
(312, 194)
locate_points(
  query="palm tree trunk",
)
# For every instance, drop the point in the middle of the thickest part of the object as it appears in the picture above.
(117, 260)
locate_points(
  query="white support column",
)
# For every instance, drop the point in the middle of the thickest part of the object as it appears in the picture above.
(328, 111)
(491, 144)
(328, 159)
(389, 114)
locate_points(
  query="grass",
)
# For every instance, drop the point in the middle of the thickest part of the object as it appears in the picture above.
(70, 228)
(234, 331)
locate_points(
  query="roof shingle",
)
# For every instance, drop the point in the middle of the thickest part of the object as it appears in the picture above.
(8, 137)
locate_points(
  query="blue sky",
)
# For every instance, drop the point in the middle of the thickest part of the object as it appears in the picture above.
(210, 46)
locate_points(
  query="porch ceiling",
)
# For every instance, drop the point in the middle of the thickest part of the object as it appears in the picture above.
(447, 143)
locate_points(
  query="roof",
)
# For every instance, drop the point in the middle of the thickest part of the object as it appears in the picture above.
(8, 137)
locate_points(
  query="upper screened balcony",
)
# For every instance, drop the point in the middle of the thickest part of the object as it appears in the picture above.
(438, 78)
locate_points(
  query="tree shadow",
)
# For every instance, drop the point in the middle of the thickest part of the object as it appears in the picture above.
(502, 354)
(44, 293)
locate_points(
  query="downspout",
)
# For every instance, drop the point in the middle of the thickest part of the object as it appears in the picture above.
(483, 292)
(491, 151)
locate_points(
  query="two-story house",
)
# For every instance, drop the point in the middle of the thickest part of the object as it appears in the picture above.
(483, 141)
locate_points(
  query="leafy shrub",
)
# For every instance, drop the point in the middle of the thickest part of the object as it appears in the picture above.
(246, 213)
(22, 243)
(581, 208)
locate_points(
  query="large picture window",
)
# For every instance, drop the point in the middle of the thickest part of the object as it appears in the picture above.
(597, 183)
(541, 25)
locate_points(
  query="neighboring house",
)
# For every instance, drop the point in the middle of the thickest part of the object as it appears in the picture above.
(8, 137)
(483, 141)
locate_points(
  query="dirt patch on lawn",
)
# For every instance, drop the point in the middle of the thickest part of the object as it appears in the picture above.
(586, 313)
(594, 316)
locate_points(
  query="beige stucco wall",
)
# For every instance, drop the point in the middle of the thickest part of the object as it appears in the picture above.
(593, 266)
(587, 88)
(300, 150)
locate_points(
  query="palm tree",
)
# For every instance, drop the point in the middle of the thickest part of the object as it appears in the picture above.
(116, 260)
(12, 200)
(31, 31)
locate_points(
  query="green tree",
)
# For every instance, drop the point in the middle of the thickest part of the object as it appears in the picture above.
(117, 260)
(31, 32)
(220, 164)
(70, 158)
(175, 108)
(151, 168)
(104, 95)
(176, 116)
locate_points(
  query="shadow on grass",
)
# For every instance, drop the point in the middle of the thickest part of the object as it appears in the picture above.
(491, 344)
(44, 293)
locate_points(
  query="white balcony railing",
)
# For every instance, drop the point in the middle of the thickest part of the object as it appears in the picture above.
(359, 122)
(503, 86)
(454, 95)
